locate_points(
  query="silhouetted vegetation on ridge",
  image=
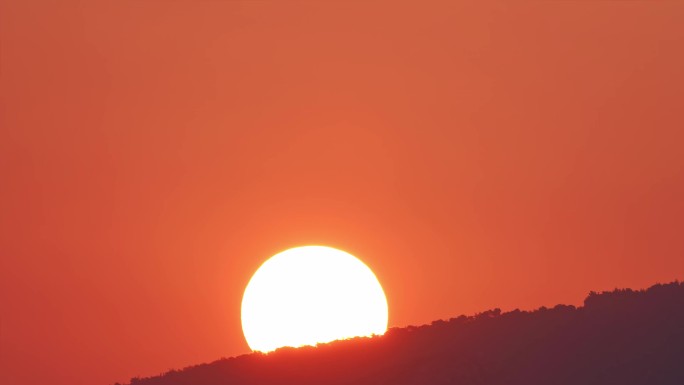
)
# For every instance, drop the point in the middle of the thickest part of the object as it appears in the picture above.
(619, 337)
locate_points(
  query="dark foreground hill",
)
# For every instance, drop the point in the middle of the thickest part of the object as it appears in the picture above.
(620, 337)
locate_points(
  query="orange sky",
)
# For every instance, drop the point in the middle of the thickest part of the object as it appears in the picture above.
(154, 153)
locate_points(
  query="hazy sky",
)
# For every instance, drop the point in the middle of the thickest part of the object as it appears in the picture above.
(154, 153)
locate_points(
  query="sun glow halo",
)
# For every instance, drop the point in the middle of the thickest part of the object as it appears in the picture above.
(309, 295)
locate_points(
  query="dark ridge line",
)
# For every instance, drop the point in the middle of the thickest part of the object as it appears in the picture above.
(593, 301)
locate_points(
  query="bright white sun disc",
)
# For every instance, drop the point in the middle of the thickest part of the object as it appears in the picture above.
(309, 295)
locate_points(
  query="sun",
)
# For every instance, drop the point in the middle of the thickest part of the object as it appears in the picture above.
(309, 295)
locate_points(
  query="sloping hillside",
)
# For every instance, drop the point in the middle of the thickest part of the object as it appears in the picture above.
(620, 337)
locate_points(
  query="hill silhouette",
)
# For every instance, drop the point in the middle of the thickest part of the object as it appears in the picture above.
(619, 337)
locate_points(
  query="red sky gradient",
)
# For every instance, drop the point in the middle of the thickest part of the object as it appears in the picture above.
(154, 153)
